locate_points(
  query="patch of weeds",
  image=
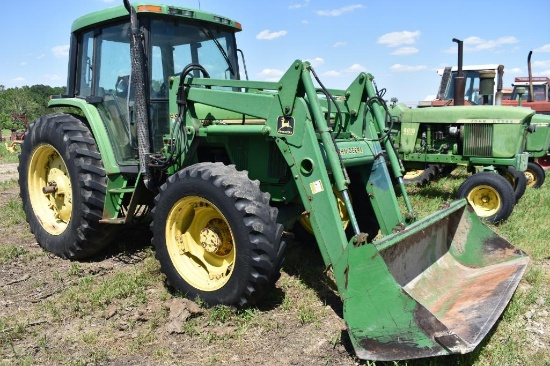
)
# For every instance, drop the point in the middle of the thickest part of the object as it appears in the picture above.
(287, 304)
(12, 213)
(8, 332)
(220, 314)
(191, 327)
(306, 315)
(75, 270)
(9, 253)
(53, 309)
(534, 276)
(124, 285)
(8, 184)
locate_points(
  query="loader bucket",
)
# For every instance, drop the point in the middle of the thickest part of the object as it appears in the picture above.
(435, 288)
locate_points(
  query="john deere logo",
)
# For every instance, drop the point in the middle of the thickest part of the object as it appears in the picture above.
(285, 125)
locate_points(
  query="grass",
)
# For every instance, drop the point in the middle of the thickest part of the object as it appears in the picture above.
(304, 293)
(5, 155)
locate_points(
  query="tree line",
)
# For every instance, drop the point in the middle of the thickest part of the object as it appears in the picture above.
(30, 101)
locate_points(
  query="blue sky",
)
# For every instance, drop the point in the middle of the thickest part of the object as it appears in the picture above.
(402, 43)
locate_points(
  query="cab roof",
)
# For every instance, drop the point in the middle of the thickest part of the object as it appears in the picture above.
(118, 12)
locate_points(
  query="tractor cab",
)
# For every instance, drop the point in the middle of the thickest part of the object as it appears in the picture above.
(172, 37)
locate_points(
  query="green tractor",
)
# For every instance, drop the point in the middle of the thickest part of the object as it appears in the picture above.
(484, 86)
(221, 166)
(432, 141)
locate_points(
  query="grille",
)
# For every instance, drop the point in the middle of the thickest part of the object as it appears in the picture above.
(478, 140)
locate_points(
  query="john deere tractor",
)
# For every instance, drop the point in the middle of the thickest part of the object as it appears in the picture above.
(432, 141)
(486, 139)
(220, 166)
(482, 85)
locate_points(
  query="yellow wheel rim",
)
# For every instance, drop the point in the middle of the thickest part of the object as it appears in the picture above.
(485, 200)
(412, 174)
(344, 216)
(531, 178)
(200, 243)
(50, 190)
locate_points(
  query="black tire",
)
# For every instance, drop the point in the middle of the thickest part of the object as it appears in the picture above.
(491, 196)
(216, 235)
(421, 177)
(534, 175)
(516, 179)
(60, 151)
(446, 169)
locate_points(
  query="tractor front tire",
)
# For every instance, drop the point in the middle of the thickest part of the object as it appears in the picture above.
(62, 186)
(491, 196)
(516, 179)
(216, 236)
(534, 175)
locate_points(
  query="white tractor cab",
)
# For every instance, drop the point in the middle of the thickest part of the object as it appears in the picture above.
(475, 76)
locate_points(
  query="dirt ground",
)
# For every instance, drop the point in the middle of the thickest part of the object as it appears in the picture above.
(42, 322)
(40, 325)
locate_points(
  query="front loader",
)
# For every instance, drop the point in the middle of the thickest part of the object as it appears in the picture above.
(168, 132)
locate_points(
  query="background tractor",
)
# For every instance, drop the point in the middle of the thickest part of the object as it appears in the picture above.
(483, 76)
(220, 167)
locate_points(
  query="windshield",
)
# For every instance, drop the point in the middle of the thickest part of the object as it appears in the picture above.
(539, 91)
(471, 92)
(174, 45)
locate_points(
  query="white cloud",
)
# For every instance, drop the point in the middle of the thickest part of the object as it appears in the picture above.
(515, 70)
(41, 56)
(266, 34)
(356, 68)
(23, 63)
(395, 39)
(340, 44)
(339, 11)
(402, 51)
(18, 79)
(317, 61)
(332, 73)
(299, 5)
(305, 21)
(407, 68)
(476, 44)
(271, 74)
(61, 51)
(545, 48)
(543, 73)
(353, 69)
(541, 64)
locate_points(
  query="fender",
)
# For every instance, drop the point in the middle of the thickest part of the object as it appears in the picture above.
(96, 126)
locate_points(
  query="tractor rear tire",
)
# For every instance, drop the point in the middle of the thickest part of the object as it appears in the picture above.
(491, 196)
(62, 186)
(534, 175)
(421, 177)
(216, 236)
(516, 179)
